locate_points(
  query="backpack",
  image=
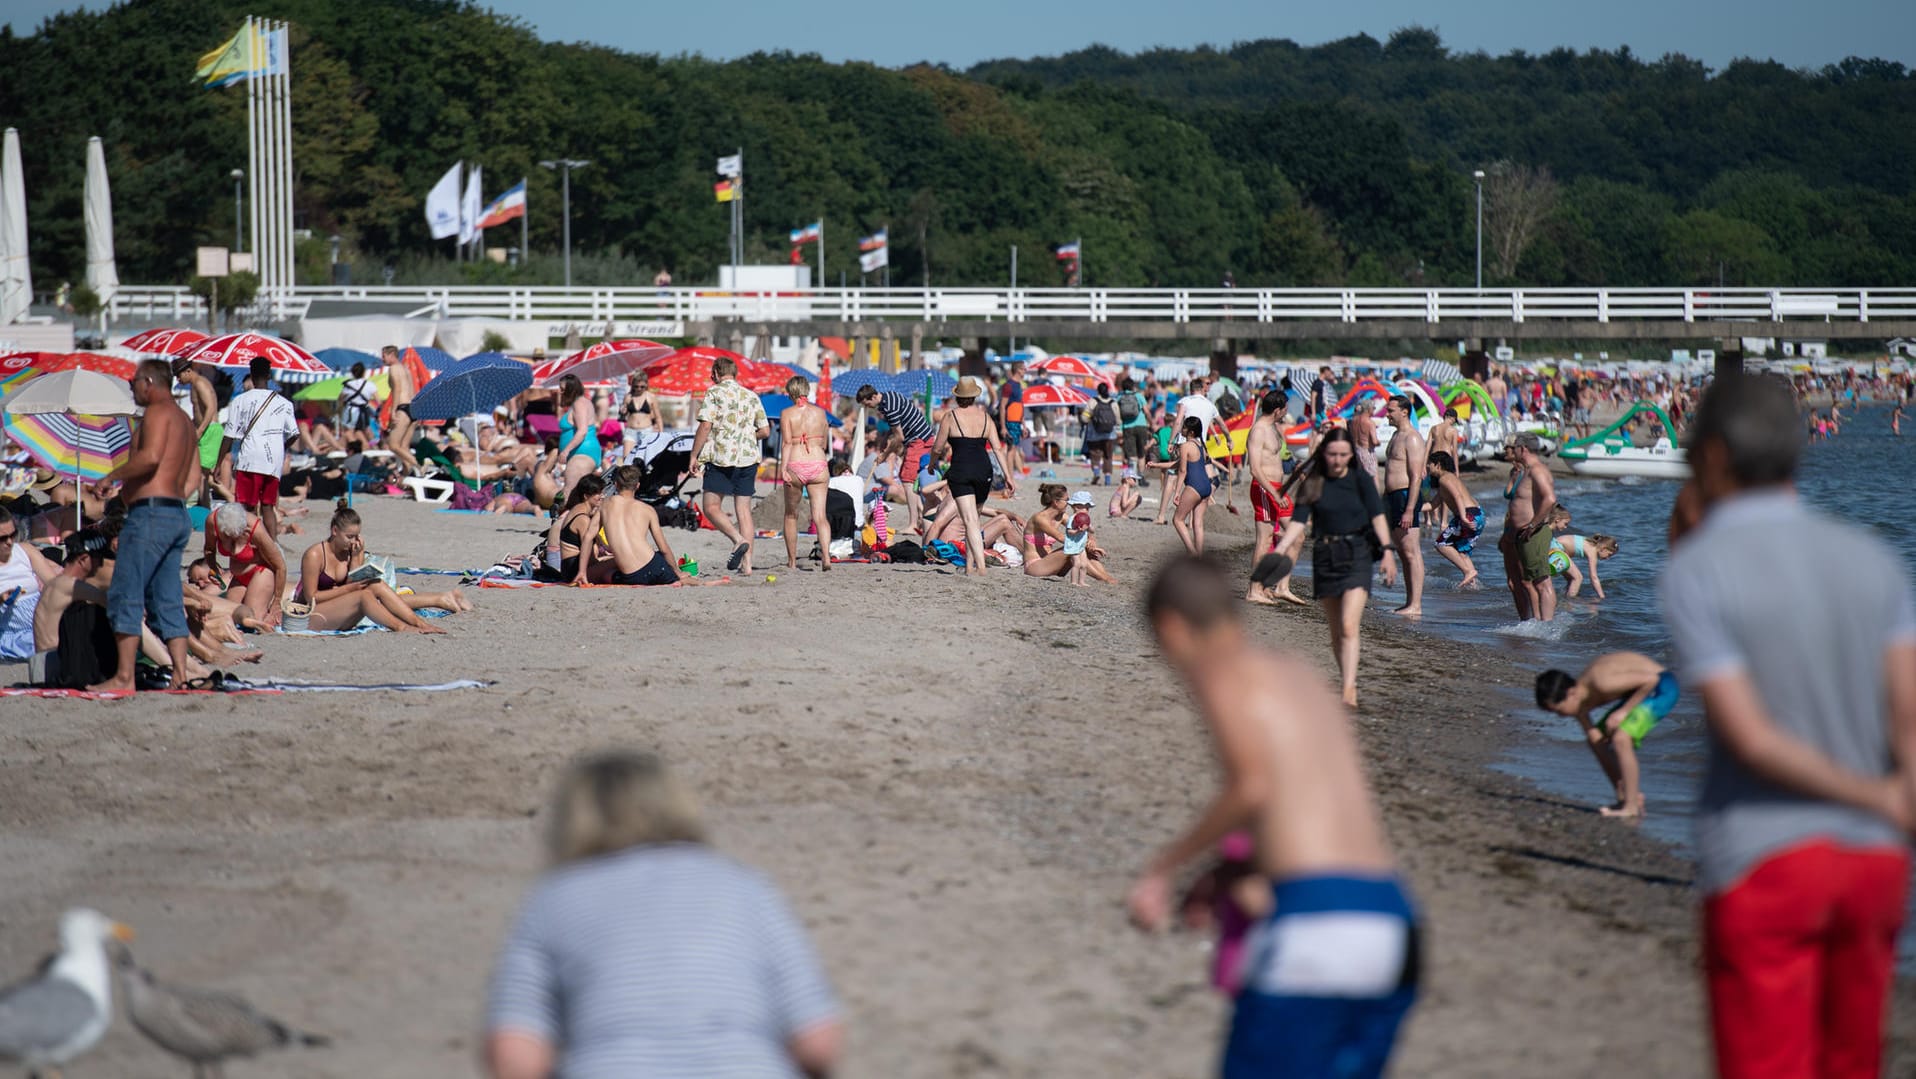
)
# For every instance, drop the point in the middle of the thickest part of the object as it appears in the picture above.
(1103, 416)
(88, 655)
(1130, 407)
(1228, 406)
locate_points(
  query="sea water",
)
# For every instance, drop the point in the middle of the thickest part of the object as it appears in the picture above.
(1862, 475)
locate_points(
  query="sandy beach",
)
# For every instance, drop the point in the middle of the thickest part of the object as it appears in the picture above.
(954, 781)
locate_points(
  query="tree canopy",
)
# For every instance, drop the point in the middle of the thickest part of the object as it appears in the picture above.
(1276, 163)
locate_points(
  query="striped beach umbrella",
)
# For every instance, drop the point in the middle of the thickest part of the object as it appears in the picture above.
(15, 370)
(73, 445)
(291, 363)
(165, 342)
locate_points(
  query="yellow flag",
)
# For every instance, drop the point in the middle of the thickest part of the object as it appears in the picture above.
(725, 190)
(229, 63)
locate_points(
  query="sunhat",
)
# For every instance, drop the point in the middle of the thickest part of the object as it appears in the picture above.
(1081, 498)
(968, 387)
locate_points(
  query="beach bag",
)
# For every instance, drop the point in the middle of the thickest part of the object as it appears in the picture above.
(907, 552)
(1130, 407)
(88, 655)
(1104, 418)
(294, 616)
(465, 498)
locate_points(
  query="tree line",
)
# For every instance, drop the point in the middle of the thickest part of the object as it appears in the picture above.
(1269, 163)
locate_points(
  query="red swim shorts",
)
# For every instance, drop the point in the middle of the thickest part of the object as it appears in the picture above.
(252, 489)
(1269, 511)
(908, 471)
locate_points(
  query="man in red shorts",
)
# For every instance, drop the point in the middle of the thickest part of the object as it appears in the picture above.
(1264, 453)
(259, 423)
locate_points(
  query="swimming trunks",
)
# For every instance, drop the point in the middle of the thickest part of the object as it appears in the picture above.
(1461, 533)
(1398, 501)
(657, 571)
(406, 410)
(1535, 555)
(1328, 977)
(1645, 716)
(1269, 511)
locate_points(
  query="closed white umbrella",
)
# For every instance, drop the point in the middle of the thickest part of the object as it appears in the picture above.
(16, 280)
(101, 275)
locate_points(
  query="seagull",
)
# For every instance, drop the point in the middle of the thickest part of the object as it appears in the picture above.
(201, 1025)
(61, 1012)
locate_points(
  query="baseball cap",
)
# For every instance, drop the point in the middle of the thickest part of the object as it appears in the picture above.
(1080, 498)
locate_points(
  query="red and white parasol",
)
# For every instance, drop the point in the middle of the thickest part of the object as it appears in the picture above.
(1046, 395)
(165, 342)
(291, 363)
(602, 365)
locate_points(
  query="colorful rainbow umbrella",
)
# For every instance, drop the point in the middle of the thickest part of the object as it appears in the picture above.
(72, 421)
(15, 370)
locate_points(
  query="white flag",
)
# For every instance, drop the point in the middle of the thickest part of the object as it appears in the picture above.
(471, 208)
(731, 166)
(442, 205)
(872, 260)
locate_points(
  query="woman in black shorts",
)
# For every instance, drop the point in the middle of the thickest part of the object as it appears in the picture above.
(1343, 505)
(968, 431)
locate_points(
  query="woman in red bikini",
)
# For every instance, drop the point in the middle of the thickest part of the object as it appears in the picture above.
(254, 566)
(804, 451)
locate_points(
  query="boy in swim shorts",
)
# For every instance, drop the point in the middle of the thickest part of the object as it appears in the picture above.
(1330, 972)
(1643, 692)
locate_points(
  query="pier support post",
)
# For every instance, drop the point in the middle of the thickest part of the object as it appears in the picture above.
(1729, 357)
(1223, 358)
(735, 341)
(917, 361)
(973, 363)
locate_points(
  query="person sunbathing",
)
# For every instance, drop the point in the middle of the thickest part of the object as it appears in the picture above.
(574, 553)
(213, 621)
(340, 601)
(640, 552)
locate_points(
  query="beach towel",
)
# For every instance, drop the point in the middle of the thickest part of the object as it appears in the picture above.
(294, 685)
(365, 626)
(89, 695)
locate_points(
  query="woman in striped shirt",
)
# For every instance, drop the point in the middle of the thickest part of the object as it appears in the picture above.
(646, 952)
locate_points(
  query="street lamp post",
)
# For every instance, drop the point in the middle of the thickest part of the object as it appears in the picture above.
(239, 238)
(565, 165)
(1479, 174)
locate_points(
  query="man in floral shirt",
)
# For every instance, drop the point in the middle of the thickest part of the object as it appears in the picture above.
(725, 453)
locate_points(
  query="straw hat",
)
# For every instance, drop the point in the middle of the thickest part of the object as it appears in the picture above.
(45, 479)
(968, 387)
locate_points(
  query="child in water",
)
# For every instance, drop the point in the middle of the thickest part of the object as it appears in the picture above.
(1644, 693)
(1566, 549)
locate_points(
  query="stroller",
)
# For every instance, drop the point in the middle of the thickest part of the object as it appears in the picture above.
(667, 467)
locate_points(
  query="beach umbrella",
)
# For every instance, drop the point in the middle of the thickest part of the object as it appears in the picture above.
(1068, 367)
(603, 364)
(1046, 395)
(16, 369)
(797, 370)
(165, 342)
(848, 383)
(72, 421)
(342, 359)
(776, 403)
(16, 278)
(291, 363)
(434, 359)
(689, 371)
(936, 384)
(101, 274)
(329, 389)
(476, 384)
(120, 367)
(824, 396)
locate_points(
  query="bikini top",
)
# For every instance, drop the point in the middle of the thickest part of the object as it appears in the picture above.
(247, 554)
(1510, 492)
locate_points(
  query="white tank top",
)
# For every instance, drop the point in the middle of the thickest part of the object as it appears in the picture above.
(17, 570)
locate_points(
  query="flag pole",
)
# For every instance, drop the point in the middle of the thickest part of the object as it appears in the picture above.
(738, 217)
(821, 249)
(524, 212)
(286, 169)
(254, 159)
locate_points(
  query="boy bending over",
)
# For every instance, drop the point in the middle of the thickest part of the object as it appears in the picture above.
(1331, 972)
(1644, 693)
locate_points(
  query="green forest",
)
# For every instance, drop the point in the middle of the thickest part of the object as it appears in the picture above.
(1269, 162)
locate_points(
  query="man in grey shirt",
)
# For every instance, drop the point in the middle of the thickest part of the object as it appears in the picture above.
(1800, 632)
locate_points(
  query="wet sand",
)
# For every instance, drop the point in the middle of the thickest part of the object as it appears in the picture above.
(953, 780)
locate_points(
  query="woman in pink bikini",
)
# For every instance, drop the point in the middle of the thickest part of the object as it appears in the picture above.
(804, 450)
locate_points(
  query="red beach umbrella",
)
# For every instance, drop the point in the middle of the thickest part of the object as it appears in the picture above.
(165, 342)
(120, 367)
(291, 363)
(688, 371)
(1070, 367)
(1046, 395)
(601, 365)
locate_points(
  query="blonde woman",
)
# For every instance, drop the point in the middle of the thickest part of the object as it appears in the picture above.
(643, 951)
(804, 466)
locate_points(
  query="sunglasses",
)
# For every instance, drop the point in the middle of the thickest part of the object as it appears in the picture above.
(10, 537)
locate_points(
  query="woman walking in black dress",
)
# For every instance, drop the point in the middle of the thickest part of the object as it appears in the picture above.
(1349, 535)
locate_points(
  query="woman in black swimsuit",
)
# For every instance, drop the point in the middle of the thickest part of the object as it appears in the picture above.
(637, 413)
(572, 552)
(973, 439)
(1343, 505)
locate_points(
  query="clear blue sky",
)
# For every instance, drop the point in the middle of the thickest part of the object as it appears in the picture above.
(896, 32)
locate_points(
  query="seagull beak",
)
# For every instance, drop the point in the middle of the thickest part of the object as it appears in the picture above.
(122, 933)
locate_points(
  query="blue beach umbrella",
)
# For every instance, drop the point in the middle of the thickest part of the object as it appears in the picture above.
(847, 383)
(914, 384)
(342, 359)
(475, 384)
(799, 371)
(438, 359)
(776, 403)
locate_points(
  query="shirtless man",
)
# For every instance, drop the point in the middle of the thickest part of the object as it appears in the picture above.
(1466, 517)
(1525, 543)
(1643, 692)
(1404, 466)
(639, 549)
(206, 409)
(1270, 509)
(1445, 437)
(400, 390)
(147, 582)
(1333, 969)
(1499, 391)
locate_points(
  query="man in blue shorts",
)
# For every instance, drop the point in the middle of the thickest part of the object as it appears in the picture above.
(1640, 693)
(1329, 975)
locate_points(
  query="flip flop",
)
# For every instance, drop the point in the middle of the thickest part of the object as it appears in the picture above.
(1272, 567)
(738, 557)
